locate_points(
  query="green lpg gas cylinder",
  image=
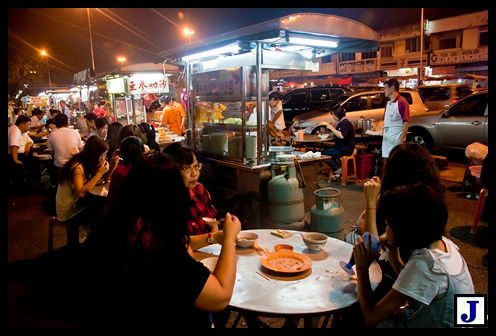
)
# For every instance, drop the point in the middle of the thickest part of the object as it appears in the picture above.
(327, 213)
(286, 204)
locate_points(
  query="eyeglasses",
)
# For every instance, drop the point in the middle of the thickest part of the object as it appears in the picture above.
(190, 168)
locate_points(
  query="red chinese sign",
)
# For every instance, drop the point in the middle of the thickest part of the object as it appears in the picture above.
(148, 83)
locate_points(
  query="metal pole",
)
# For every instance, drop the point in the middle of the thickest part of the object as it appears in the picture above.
(260, 130)
(421, 68)
(48, 68)
(91, 40)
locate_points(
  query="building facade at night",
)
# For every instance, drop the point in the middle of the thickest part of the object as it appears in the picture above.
(455, 50)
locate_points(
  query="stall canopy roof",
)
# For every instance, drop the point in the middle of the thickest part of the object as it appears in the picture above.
(350, 35)
(167, 68)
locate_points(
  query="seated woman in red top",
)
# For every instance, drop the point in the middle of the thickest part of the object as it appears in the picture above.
(202, 206)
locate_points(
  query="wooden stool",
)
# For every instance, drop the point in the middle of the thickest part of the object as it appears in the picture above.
(72, 231)
(345, 174)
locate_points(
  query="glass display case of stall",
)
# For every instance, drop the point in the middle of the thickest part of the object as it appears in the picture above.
(129, 110)
(225, 113)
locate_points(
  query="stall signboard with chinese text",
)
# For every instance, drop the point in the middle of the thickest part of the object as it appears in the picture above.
(148, 83)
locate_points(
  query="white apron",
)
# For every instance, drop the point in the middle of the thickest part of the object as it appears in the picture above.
(391, 137)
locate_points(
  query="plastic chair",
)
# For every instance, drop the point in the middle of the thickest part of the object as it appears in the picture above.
(478, 210)
(345, 174)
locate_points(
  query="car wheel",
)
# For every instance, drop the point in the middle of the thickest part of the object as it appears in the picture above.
(421, 138)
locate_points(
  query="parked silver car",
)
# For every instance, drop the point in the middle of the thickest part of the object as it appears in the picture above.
(359, 105)
(438, 97)
(458, 126)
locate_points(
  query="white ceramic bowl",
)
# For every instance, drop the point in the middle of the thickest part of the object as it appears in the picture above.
(246, 239)
(314, 240)
(323, 136)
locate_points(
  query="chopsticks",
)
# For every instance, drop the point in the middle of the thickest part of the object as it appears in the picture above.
(266, 278)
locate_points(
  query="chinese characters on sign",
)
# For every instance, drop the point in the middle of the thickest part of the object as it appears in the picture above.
(148, 83)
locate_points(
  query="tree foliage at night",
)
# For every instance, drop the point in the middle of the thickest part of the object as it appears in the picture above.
(23, 71)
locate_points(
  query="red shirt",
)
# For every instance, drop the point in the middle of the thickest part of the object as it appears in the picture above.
(201, 207)
(100, 112)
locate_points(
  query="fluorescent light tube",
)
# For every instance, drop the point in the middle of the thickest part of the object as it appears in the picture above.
(212, 52)
(313, 42)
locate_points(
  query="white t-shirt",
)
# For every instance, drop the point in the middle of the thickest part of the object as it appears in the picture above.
(279, 123)
(64, 142)
(16, 138)
(424, 276)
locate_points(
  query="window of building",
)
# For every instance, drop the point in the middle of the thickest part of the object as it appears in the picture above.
(412, 44)
(347, 57)
(447, 43)
(370, 54)
(483, 36)
(326, 59)
(386, 50)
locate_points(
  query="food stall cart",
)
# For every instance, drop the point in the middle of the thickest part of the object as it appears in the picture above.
(134, 87)
(228, 72)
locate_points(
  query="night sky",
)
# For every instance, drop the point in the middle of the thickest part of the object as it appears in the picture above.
(140, 34)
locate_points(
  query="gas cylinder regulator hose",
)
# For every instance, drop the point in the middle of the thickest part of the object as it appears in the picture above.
(299, 174)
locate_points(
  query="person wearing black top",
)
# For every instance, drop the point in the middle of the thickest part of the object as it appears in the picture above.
(150, 133)
(344, 134)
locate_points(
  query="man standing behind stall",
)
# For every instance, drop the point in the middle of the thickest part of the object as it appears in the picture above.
(396, 117)
(172, 117)
(276, 122)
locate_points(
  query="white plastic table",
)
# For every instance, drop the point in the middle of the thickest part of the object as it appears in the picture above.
(322, 290)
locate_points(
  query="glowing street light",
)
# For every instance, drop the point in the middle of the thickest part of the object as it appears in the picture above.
(44, 53)
(188, 32)
(121, 60)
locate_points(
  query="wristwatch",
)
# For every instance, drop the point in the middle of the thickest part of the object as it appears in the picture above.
(210, 238)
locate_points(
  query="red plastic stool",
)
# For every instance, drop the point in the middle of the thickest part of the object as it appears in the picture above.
(478, 210)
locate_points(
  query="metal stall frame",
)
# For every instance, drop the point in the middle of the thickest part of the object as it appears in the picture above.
(272, 45)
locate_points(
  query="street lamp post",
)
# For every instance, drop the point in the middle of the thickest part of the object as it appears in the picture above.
(91, 40)
(44, 53)
(188, 32)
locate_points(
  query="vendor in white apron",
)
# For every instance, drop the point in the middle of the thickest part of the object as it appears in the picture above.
(396, 117)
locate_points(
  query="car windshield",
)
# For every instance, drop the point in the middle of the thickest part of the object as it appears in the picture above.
(435, 93)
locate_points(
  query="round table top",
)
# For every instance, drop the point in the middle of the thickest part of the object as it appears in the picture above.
(322, 289)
